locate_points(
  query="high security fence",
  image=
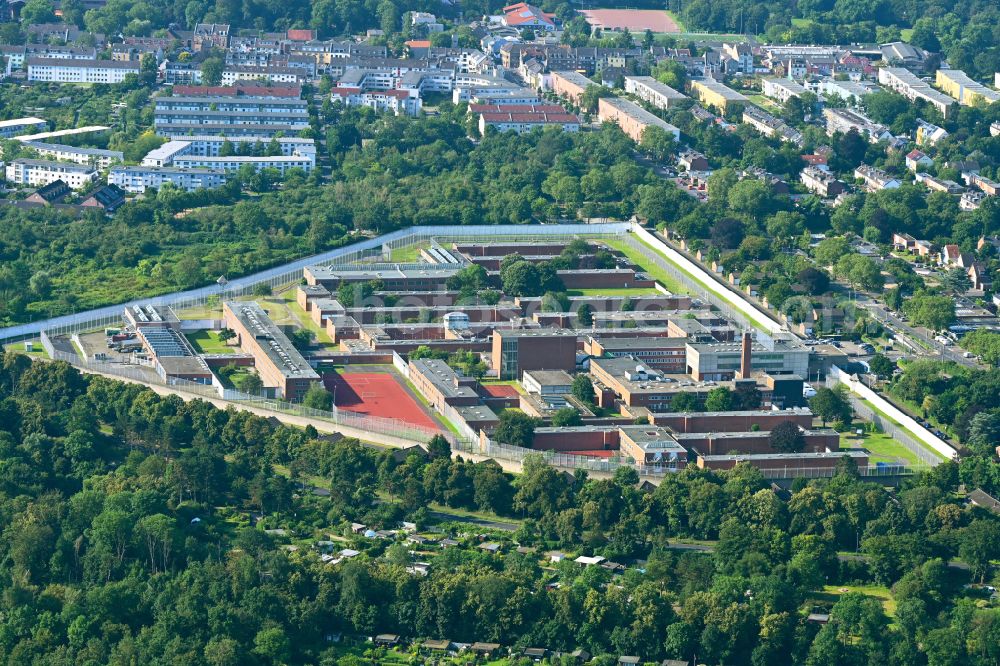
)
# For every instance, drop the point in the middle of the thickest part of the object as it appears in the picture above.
(893, 421)
(145, 375)
(292, 272)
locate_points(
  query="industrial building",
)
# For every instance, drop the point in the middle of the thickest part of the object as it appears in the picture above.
(279, 365)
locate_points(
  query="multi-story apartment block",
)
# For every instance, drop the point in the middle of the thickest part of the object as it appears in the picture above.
(781, 90)
(137, 179)
(17, 56)
(768, 125)
(716, 95)
(210, 36)
(58, 70)
(912, 87)
(18, 126)
(821, 182)
(967, 91)
(96, 157)
(234, 74)
(246, 116)
(212, 146)
(282, 163)
(43, 172)
(652, 92)
(849, 91)
(876, 179)
(571, 85)
(397, 102)
(632, 118)
(845, 120)
(524, 118)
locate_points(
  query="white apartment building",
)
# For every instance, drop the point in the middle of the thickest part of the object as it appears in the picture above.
(781, 90)
(42, 172)
(398, 102)
(654, 93)
(58, 70)
(912, 87)
(845, 120)
(849, 91)
(102, 159)
(281, 162)
(876, 179)
(211, 146)
(9, 128)
(138, 179)
(234, 74)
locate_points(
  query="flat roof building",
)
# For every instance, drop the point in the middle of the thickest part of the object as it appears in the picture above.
(713, 93)
(715, 361)
(278, 362)
(654, 93)
(547, 382)
(43, 172)
(966, 90)
(570, 84)
(10, 128)
(59, 70)
(393, 279)
(137, 179)
(96, 157)
(668, 355)
(441, 385)
(517, 350)
(912, 87)
(632, 118)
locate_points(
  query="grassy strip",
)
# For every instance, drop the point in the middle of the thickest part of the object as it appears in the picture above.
(832, 594)
(478, 515)
(638, 259)
(655, 271)
(625, 291)
(882, 447)
(304, 319)
(208, 342)
(899, 425)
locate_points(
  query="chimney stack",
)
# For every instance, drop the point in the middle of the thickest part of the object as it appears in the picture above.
(745, 364)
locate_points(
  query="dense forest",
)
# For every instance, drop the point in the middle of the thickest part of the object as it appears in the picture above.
(127, 539)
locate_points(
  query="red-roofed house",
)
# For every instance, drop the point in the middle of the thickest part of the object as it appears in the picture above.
(917, 160)
(418, 47)
(522, 15)
(951, 255)
(525, 121)
(301, 35)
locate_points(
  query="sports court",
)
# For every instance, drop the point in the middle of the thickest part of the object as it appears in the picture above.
(379, 394)
(636, 20)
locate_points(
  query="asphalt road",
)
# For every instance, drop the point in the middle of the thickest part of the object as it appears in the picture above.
(892, 321)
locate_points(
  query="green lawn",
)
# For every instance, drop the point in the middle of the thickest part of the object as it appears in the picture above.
(478, 515)
(37, 351)
(625, 291)
(882, 447)
(832, 593)
(651, 268)
(913, 410)
(208, 342)
(303, 318)
(408, 254)
(677, 19)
